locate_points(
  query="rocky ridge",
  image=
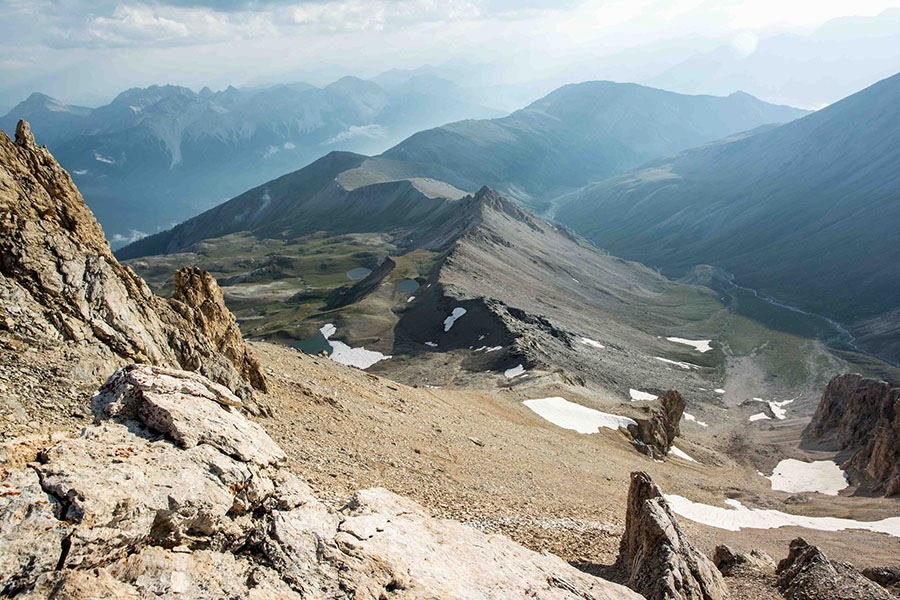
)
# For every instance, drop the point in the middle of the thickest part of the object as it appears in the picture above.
(862, 415)
(64, 296)
(173, 493)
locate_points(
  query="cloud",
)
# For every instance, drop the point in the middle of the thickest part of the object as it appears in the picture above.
(133, 236)
(357, 131)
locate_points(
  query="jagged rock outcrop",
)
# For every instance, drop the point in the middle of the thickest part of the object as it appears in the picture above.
(660, 562)
(199, 299)
(730, 562)
(807, 574)
(64, 295)
(173, 493)
(861, 414)
(655, 434)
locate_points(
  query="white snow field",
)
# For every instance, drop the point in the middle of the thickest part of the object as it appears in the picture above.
(352, 357)
(823, 476)
(739, 517)
(457, 313)
(637, 395)
(699, 345)
(576, 417)
(759, 417)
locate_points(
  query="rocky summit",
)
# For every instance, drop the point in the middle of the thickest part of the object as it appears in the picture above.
(174, 494)
(65, 297)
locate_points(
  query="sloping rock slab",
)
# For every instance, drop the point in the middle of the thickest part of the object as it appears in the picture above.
(188, 408)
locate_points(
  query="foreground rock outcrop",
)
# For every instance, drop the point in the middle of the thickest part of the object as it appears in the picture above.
(807, 574)
(655, 434)
(173, 493)
(659, 561)
(861, 414)
(65, 297)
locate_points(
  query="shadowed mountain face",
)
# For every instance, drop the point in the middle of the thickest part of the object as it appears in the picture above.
(155, 156)
(806, 212)
(578, 134)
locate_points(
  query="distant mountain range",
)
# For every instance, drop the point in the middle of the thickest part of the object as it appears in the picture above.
(578, 134)
(156, 156)
(571, 137)
(807, 212)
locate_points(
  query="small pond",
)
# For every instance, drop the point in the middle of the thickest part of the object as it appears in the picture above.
(408, 285)
(358, 273)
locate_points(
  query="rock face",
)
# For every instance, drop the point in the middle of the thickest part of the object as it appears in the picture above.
(660, 561)
(655, 434)
(807, 574)
(173, 493)
(199, 299)
(61, 287)
(862, 414)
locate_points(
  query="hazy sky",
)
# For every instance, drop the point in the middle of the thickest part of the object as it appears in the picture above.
(86, 51)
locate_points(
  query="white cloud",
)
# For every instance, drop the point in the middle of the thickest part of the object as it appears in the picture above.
(357, 131)
(133, 236)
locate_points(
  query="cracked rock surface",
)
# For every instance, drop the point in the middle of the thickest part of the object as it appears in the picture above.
(173, 493)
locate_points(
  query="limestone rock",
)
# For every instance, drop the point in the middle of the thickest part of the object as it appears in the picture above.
(730, 562)
(660, 562)
(61, 286)
(655, 434)
(862, 414)
(30, 534)
(199, 299)
(188, 408)
(807, 574)
(164, 498)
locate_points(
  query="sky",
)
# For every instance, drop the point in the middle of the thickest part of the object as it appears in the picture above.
(85, 51)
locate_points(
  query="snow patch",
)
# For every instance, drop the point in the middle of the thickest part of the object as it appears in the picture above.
(352, 357)
(104, 159)
(681, 454)
(576, 417)
(590, 342)
(739, 517)
(682, 365)
(456, 314)
(693, 419)
(759, 417)
(823, 476)
(410, 299)
(514, 372)
(699, 345)
(431, 344)
(639, 395)
(719, 391)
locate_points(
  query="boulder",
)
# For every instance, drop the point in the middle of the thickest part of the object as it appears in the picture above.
(730, 562)
(656, 556)
(807, 574)
(174, 494)
(655, 434)
(862, 415)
